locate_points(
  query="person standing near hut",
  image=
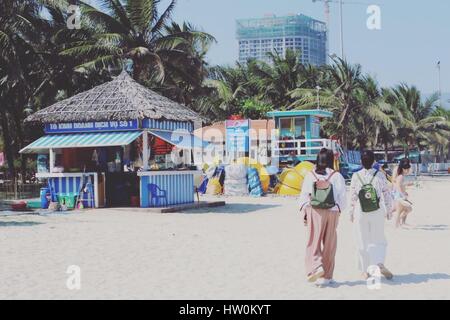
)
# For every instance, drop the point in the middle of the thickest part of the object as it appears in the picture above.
(371, 202)
(322, 198)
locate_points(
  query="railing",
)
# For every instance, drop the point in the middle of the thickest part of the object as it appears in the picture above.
(11, 191)
(303, 146)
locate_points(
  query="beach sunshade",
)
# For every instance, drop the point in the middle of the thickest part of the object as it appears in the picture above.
(81, 140)
(181, 139)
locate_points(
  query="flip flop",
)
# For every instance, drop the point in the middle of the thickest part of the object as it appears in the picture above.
(316, 275)
(386, 273)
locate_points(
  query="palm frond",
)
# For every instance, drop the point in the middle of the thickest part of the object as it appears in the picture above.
(102, 62)
(143, 14)
(164, 18)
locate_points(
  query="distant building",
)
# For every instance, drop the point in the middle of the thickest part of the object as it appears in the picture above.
(300, 33)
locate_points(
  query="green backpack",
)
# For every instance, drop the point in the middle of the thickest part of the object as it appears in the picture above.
(323, 196)
(368, 197)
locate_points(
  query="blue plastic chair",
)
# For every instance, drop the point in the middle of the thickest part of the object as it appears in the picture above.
(156, 194)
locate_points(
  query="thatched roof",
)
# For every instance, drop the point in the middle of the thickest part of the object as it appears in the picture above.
(120, 99)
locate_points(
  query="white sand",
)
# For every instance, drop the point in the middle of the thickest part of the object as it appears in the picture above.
(250, 249)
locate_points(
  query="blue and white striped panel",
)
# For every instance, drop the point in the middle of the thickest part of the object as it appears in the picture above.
(65, 185)
(179, 188)
(61, 185)
(85, 140)
(168, 125)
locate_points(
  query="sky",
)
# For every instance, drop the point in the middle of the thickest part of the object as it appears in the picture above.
(414, 34)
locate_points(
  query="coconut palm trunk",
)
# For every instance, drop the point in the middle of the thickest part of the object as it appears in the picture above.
(7, 142)
(18, 119)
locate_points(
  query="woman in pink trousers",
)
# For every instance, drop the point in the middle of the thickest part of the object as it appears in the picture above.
(322, 199)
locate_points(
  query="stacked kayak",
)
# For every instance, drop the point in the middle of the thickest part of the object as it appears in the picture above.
(291, 179)
(254, 183)
(264, 176)
(250, 177)
(216, 176)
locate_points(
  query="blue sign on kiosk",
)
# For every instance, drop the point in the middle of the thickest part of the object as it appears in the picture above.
(71, 127)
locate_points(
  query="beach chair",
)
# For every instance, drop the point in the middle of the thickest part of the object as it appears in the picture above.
(156, 194)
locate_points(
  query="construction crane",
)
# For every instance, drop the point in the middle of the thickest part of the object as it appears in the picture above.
(327, 10)
(341, 17)
(328, 21)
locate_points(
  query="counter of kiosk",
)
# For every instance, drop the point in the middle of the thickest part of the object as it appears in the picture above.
(175, 187)
(71, 183)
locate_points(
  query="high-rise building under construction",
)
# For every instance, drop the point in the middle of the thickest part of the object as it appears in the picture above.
(300, 33)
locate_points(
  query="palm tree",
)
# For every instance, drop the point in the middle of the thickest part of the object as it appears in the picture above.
(132, 29)
(376, 119)
(440, 140)
(229, 87)
(32, 70)
(276, 79)
(421, 127)
(340, 96)
(186, 67)
(17, 34)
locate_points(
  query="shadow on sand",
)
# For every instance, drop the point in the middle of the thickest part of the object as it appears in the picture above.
(19, 223)
(431, 227)
(233, 208)
(410, 278)
(414, 278)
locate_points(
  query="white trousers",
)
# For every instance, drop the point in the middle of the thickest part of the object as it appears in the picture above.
(370, 238)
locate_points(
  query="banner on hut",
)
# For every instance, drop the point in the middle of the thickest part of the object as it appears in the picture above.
(71, 127)
(237, 132)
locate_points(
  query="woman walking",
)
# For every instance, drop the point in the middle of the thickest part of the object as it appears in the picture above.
(371, 202)
(322, 198)
(403, 206)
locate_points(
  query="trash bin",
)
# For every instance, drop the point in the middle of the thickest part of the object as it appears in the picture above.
(45, 198)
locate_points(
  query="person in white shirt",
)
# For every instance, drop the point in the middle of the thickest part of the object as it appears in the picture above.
(322, 223)
(369, 226)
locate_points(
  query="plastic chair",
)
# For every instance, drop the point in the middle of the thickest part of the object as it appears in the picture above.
(156, 194)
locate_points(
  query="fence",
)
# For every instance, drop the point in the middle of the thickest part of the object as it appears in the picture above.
(11, 191)
(426, 169)
(432, 168)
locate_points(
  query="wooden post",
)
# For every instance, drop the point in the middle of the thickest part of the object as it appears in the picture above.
(16, 187)
(145, 150)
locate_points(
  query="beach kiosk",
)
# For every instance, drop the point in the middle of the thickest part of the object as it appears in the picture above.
(118, 144)
(298, 136)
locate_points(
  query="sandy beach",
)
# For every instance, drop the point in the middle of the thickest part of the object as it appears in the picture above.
(252, 248)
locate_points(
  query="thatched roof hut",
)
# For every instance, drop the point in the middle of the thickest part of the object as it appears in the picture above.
(120, 99)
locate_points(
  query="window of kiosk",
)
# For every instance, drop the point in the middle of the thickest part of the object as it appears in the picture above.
(293, 127)
(299, 127)
(285, 125)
